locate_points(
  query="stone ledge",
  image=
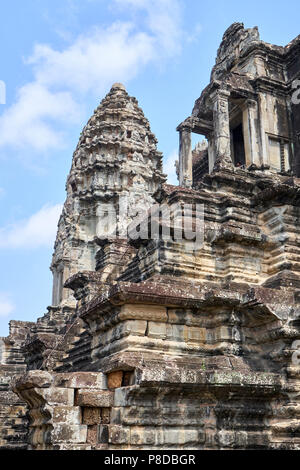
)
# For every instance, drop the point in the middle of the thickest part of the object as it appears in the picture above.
(94, 398)
(187, 376)
(81, 380)
(33, 379)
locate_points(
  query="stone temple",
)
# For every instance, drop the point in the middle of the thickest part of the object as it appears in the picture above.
(149, 344)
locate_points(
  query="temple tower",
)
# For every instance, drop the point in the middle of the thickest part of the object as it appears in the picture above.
(116, 169)
(249, 112)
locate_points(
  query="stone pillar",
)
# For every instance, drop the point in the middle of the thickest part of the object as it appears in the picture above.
(185, 159)
(263, 118)
(211, 152)
(223, 158)
(251, 132)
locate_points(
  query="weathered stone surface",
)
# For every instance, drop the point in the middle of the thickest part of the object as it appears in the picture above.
(94, 398)
(105, 415)
(32, 379)
(91, 416)
(103, 434)
(150, 312)
(115, 379)
(59, 396)
(92, 435)
(70, 433)
(81, 380)
(119, 435)
(67, 414)
(13, 411)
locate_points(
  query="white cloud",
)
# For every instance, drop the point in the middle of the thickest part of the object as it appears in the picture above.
(26, 123)
(6, 305)
(93, 62)
(170, 169)
(45, 108)
(163, 19)
(39, 230)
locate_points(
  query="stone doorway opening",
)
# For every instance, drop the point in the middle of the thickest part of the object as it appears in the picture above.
(238, 146)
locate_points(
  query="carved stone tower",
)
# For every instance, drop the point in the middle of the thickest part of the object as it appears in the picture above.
(116, 164)
(246, 112)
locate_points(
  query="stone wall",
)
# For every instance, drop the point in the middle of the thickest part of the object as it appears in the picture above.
(13, 411)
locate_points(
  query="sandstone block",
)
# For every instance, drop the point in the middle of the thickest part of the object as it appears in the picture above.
(195, 335)
(94, 398)
(103, 436)
(59, 396)
(115, 416)
(34, 378)
(69, 433)
(119, 435)
(176, 332)
(91, 416)
(81, 380)
(142, 436)
(144, 312)
(114, 379)
(223, 334)
(92, 435)
(157, 330)
(226, 438)
(135, 327)
(67, 414)
(105, 415)
(177, 316)
(120, 397)
(180, 436)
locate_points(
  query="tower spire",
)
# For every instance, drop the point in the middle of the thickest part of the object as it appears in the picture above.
(116, 159)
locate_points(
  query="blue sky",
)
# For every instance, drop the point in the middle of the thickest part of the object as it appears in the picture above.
(58, 60)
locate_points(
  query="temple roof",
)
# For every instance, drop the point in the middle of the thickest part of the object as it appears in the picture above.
(117, 114)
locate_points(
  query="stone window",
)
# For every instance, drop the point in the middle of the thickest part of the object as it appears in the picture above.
(238, 145)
